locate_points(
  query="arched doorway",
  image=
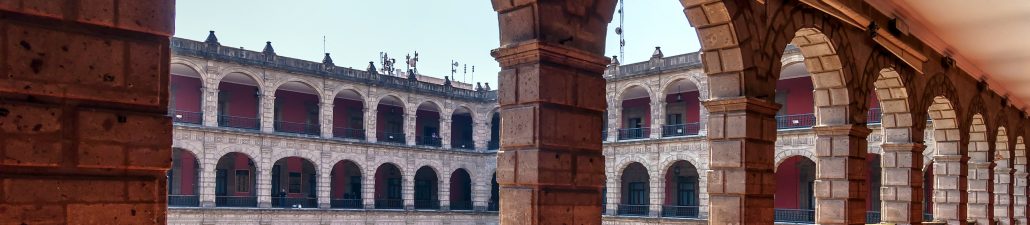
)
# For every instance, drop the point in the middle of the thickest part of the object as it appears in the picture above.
(238, 96)
(345, 186)
(635, 191)
(182, 179)
(794, 200)
(636, 114)
(494, 204)
(461, 190)
(388, 187)
(461, 129)
(682, 191)
(426, 189)
(294, 183)
(184, 95)
(427, 125)
(682, 109)
(349, 115)
(390, 120)
(235, 182)
(296, 109)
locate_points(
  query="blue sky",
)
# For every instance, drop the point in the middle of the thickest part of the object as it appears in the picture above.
(440, 30)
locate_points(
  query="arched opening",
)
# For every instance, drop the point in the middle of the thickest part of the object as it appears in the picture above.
(461, 190)
(427, 125)
(636, 114)
(182, 179)
(495, 199)
(682, 109)
(294, 183)
(495, 132)
(635, 191)
(296, 109)
(928, 184)
(390, 120)
(1020, 190)
(947, 138)
(461, 129)
(238, 106)
(426, 189)
(345, 186)
(682, 191)
(349, 115)
(235, 182)
(794, 200)
(1003, 181)
(388, 187)
(184, 95)
(794, 92)
(874, 179)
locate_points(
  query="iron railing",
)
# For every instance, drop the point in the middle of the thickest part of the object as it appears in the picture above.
(294, 202)
(795, 121)
(493, 144)
(634, 133)
(633, 210)
(463, 144)
(428, 141)
(427, 204)
(235, 201)
(874, 116)
(297, 128)
(679, 211)
(872, 217)
(345, 203)
(493, 206)
(680, 130)
(390, 137)
(182, 116)
(794, 215)
(349, 133)
(183, 201)
(389, 203)
(239, 122)
(461, 205)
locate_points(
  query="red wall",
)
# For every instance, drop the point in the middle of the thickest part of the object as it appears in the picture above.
(242, 99)
(425, 118)
(241, 162)
(187, 172)
(874, 102)
(187, 93)
(799, 94)
(457, 181)
(692, 113)
(340, 180)
(385, 111)
(641, 104)
(341, 108)
(787, 179)
(294, 106)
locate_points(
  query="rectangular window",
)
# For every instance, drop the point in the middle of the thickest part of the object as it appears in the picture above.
(220, 183)
(687, 191)
(393, 188)
(355, 188)
(638, 193)
(674, 119)
(294, 182)
(242, 181)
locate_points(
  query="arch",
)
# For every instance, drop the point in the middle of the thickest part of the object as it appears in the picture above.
(634, 91)
(390, 122)
(946, 133)
(294, 183)
(237, 74)
(635, 113)
(190, 65)
(462, 128)
(795, 178)
(1002, 154)
(231, 170)
(388, 186)
(830, 89)
(428, 124)
(427, 188)
(978, 146)
(348, 114)
(682, 190)
(345, 185)
(239, 100)
(460, 190)
(494, 203)
(290, 80)
(635, 184)
(783, 156)
(183, 179)
(1019, 153)
(681, 106)
(896, 118)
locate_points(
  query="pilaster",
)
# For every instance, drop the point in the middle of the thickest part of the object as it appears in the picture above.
(209, 106)
(841, 174)
(370, 124)
(267, 112)
(980, 203)
(445, 132)
(325, 115)
(742, 140)
(901, 192)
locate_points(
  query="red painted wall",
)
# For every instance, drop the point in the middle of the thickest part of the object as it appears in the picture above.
(381, 177)
(341, 113)
(388, 112)
(242, 100)
(639, 104)
(187, 93)
(799, 94)
(787, 179)
(692, 112)
(187, 172)
(294, 106)
(340, 181)
(461, 128)
(241, 162)
(424, 119)
(874, 102)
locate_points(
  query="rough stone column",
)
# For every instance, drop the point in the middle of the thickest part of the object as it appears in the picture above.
(949, 193)
(444, 192)
(1019, 194)
(657, 117)
(267, 113)
(410, 124)
(980, 199)
(324, 180)
(326, 118)
(1003, 193)
(614, 122)
(657, 195)
(370, 124)
(206, 186)
(408, 190)
(445, 132)
(368, 188)
(901, 192)
(263, 176)
(481, 134)
(209, 106)
(742, 135)
(840, 185)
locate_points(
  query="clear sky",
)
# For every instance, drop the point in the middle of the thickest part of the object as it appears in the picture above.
(440, 30)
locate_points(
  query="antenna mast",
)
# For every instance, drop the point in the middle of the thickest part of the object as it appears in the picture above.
(621, 32)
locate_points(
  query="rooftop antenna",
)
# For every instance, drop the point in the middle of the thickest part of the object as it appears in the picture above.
(323, 44)
(619, 30)
(465, 72)
(454, 67)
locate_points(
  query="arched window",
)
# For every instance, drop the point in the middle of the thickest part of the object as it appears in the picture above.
(426, 189)
(388, 187)
(794, 200)
(235, 182)
(461, 190)
(682, 191)
(635, 191)
(182, 179)
(345, 186)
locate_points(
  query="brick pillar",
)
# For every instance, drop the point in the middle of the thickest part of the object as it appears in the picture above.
(368, 187)
(980, 199)
(901, 192)
(83, 111)
(840, 185)
(742, 135)
(1019, 197)
(267, 111)
(445, 131)
(209, 106)
(370, 124)
(1003, 193)
(949, 193)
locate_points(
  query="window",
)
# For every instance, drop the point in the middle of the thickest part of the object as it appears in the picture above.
(294, 183)
(686, 188)
(242, 181)
(638, 193)
(781, 98)
(674, 119)
(355, 188)
(393, 188)
(220, 182)
(635, 122)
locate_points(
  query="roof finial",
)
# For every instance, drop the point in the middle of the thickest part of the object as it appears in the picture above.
(211, 38)
(268, 48)
(371, 68)
(487, 88)
(657, 52)
(446, 81)
(615, 60)
(327, 60)
(479, 86)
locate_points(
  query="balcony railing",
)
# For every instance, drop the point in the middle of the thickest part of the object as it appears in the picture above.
(927, 216)
(493, 144)
(872, 217)
(349, 133)
(345, 203)
(239, 122)
(463, 144)
(183, 200)
(389, 203)
(680, 130)
(428, 141)
(235, 201)
(427, 204)
(390, 137)
(461, 205)
(493, 206)
(634, 133)
(795, 121)
(181, 116)
(604, 135)
(634, 210)
(300, 202)
(794, 215)
(297, 128)
(677, 211)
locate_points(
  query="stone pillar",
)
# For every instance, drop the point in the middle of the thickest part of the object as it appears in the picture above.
(410, 124)
(840, 185)
(206, 183)
(481, 134)
(267, 113)
(408, 190)
(1019, 211)
(742, 136)
(657, 117)
(370, 124)
(980, 199)
(324, 181)
(445, 191)
(614, 121)
(949, 193)
(901, 192)
(209, 106)
(1003, 193)
(325, 120)
(445, 132)
(657, 195)
(368, 187)
(263, 175)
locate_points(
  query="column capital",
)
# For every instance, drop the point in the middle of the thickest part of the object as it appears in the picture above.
(856, 130)
(948, 158)
(902, 147)
(539, 51)
(749, 104)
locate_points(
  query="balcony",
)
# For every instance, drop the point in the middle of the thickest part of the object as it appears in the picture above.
(349, 133)
(633, 210)
(806, 216)
(389, 203)
(680, 130)
(236, 201)
(463, 144)
(428, 141)
(297, 128)
(183, 201)
(461, 205)
(390, 137)
(345, 203)
(430, 204)
(634, 133)
(239, 122)
(875, 116)
(676, 211)
(795, 121)
(295, 203)
(180, 116)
